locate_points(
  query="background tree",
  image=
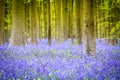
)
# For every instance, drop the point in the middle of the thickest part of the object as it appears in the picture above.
(88, 27)
(18, 23)
(2, 25)
(65, 27)
(33, 22)
(45, 11)
(78, 20)
(59, 26)
(49, 24)
(62, 20)
(71, 34)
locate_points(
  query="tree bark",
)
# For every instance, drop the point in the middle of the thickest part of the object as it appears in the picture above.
(45, 19)
(27, 6)
(18, 23)
(88, 27)
(59, 22)
(49, 24)
(71, 21)
(79, 34)
(2, 7)
(65, 27)
(33, 22)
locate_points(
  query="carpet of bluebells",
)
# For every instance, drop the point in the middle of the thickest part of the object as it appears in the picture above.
(59, 62)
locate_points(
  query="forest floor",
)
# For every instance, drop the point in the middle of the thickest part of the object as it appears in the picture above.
(59, 62)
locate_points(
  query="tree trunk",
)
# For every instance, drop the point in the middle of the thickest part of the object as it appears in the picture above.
(96, 18)
(79, 34)
(27, 6)
(65, 27)
(88, 27)
(38, 20)
(71, 21)
(2, 7)
(56, 33)
(58, 21)
(45, 19)
(33, 22)
(49, 24)
(18, 23)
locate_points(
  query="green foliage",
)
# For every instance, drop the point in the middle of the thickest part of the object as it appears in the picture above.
(68, 54)
(108, 16)
(0, 74)
(88, 65)
(118, 25)
(3, 57)
(52, 51)
(118, 1)
(18, 78)
(112, 31)
(7, 1)
(40, 0)
(52, 76)
(42, 77)
(86, 78)
(27, 1)
(8, 21)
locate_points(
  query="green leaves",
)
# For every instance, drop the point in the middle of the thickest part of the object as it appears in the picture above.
(88, 66)
(53, 77)
(112, 31)
(27, 1)
(0, 74)
(88, 78)
(40, 0)
(68, 54)
(42, 77)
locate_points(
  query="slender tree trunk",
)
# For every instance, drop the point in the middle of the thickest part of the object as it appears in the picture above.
(88, 27)
(2, 7)
(67, 19)
(27, 5)
(53, 19)
(33, 22)
(96, 18)
(39, 21)
(65, 27)
(45, 19)
(109, 29)
(71, 21)
(18, 23)
(56, 33)
(49, 24)
(79, 39)
(59, 22)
